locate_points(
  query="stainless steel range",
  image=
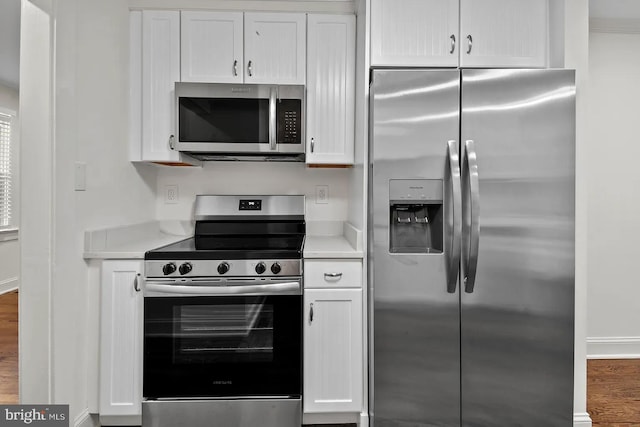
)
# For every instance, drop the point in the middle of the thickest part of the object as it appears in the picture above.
(223, 317)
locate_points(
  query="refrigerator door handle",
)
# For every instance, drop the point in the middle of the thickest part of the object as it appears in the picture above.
(454, 257)
(472, 220)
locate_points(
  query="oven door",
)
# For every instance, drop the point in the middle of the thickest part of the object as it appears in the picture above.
(222, 339)
(218, 118)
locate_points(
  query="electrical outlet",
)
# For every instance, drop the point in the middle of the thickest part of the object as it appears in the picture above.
(322, 194)
(81, 176)
(171, 194)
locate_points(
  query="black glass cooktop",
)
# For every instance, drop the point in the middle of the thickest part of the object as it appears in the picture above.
(222, 240)
(232, 248)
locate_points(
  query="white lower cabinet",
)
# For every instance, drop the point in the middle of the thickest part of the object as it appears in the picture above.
(333, 350)
(121, 307)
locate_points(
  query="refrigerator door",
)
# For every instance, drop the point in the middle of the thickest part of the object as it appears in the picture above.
(414, 308)
(517, 312)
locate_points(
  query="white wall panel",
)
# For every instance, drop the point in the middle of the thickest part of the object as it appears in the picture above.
(614, 192)
(255, 178)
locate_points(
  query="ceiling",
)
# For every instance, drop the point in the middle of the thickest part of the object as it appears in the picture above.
(10, 43)
(10, 30)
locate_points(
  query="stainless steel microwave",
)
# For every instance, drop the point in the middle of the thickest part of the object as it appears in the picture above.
(218, 121)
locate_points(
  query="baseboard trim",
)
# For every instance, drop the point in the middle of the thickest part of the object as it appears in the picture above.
(613, 348)
(84, 419)
(364, 419)
(581, 419)
(8, 285)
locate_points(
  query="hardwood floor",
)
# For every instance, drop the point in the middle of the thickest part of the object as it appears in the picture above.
(9, 348)
(613, 386)
(613, 392)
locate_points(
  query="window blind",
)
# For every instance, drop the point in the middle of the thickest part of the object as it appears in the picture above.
(5, 170)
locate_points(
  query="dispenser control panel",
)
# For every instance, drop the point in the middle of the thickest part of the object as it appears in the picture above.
(418, 190)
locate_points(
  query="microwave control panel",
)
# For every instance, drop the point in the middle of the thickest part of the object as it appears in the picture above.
(289, 121)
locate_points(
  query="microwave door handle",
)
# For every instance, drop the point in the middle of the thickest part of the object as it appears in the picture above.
(272, 119)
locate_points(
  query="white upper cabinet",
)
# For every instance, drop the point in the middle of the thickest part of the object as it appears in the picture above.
(160, 72)
(491, 33)
(154, 69)
(330, 89)
(274, 48)
(503, 33)
(212, 47)
(414, 33)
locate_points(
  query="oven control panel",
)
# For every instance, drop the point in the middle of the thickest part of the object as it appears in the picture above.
(223, 268)
(250, 205)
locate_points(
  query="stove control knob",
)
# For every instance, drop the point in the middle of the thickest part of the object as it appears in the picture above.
(261, 268)
(169, 268)
(276, 268)
(185, 268)
(223, 267)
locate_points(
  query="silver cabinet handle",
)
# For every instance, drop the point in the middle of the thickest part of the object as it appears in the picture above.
(172, 142)
(333, 276)
(310, 312)
(235, 68)
(273, 135)
(456, 233)
(313, 144)
(453, 43)
(471, 224)
(136, 284)
(249, 69)
(469, 43)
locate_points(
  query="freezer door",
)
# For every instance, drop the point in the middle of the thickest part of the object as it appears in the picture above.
(517, 310)
(415, 339)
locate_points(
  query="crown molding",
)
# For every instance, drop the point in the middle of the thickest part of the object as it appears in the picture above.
(614, 25)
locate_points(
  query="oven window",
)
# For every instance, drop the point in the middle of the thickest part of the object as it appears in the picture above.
(212, 346)
(223, 120)
(233, 333)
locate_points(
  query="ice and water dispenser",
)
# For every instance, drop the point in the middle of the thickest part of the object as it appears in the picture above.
(416, 216)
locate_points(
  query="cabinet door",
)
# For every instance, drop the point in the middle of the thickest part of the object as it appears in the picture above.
(120, 342)
(211, 47)
(503, 33)
(274, 48)
(330, 88)
(414, 33)
(333, 350)
(160, 71)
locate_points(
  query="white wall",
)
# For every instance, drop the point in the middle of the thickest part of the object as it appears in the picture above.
(89, 122)
(576, 56)
(254, 178)
(614, 195)
(35, 220)
(10, 249)
(8, 98)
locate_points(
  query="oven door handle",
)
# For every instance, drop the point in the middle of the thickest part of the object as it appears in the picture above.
(164, 289)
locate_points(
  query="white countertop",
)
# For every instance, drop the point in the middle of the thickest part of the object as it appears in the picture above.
(329, 247)
(132, 241)
(333, 239)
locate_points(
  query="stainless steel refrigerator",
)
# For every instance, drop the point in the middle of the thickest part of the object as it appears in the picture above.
(471, 248)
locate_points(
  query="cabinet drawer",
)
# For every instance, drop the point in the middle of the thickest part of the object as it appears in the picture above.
(333, 274)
